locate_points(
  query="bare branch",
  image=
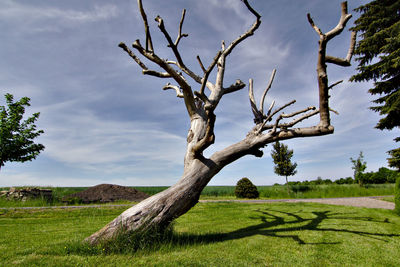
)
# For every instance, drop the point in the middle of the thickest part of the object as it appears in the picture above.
(344, 18)
(352, 46)
(132, 55)
(157, 74)
(269, 117)
(174, 87)
(310, 20)
(168, 37)
(271, 79)
(336, 83)
(174, 47)
(233, 44)
(145, 70)
(305, 116)
(251, 9)
(276, 125)
(180, 35)
(235, 87)
(209, 70)
(201, 64)
(270, 108)
(334, 111)
(149, 44)
(258, 117)
(190, 73)
(186, 89)
(345, 62)
(297, 112)
(248, 33)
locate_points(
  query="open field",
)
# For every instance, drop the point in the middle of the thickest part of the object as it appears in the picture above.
(212, 234)
(227, 192)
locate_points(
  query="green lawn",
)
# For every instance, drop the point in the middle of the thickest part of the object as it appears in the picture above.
(213, 234)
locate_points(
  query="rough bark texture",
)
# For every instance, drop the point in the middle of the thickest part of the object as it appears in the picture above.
(160, 209)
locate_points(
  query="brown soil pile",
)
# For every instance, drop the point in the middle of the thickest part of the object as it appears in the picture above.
(107, 193)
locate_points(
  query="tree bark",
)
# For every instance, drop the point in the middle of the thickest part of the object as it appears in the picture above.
(159, 210)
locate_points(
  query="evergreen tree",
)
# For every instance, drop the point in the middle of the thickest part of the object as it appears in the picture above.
(281, 156)
(16, 136)
(394, 160)
(359, 166)
(379, 60)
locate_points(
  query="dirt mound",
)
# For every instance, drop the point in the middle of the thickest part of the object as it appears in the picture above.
(106, 193)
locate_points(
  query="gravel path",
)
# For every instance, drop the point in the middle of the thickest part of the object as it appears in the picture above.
(367, 202)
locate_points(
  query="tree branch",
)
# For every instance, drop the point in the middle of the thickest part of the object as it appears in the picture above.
(149, 44)
(201, 64)
(235, 87)
(310, 20)
(336, 83)
(145, 70)
(174, 87)
(209, 70)
(180, 34)
(186, 89)
(344, 62)
(228, 50)
(271, 79)
(170, 43)
(344, 18)
(258, 116)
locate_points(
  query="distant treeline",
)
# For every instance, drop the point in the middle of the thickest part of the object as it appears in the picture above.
(382, 176)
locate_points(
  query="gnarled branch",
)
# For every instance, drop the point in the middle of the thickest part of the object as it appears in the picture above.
(174, 87)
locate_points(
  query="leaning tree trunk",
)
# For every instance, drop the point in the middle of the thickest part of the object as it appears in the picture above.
(159, 210)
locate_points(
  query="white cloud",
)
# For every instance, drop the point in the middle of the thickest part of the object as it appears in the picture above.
(81, 139)
(37, 18)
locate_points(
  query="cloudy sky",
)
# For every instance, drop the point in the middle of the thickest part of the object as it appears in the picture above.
(105, 122)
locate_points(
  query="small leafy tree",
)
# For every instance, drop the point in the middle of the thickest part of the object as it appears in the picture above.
(282, 156)
(246, 189)
(359, 166)
(16, 136)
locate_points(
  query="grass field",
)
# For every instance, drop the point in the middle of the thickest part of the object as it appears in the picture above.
(227, 192)
(280, 191)
(212, 234)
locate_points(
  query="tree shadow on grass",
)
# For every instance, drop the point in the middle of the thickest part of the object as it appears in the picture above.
(280, 226)
(271, 223)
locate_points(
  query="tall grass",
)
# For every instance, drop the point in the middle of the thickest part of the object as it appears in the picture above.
(325, 191)
(228, 192)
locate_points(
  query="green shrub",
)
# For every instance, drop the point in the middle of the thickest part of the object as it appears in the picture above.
(397, 196)
(300, 188)
(246, 189)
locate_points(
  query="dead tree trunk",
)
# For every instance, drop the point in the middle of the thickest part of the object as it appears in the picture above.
(162, 208)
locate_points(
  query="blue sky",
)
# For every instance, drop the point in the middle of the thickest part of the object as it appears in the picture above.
(105, 122)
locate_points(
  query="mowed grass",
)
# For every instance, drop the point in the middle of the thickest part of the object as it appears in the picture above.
(212, 234)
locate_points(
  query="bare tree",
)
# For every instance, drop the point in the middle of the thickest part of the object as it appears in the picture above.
(270, 126)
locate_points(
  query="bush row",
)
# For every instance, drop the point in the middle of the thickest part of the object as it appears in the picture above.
(382, 176)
